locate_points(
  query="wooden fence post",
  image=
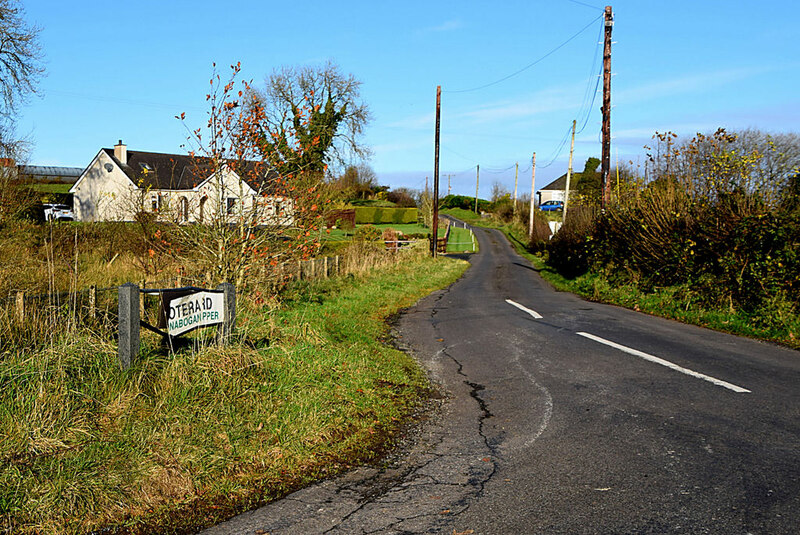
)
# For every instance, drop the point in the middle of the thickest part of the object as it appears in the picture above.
(143, 285)
(338, 269)
(20, 307)
(92, 301)
(299, 270)
(325, 267)
(129, 318)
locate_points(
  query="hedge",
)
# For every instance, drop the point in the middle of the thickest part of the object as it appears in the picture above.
(378, 215)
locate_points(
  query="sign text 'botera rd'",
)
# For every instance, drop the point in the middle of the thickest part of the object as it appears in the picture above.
(199, 309)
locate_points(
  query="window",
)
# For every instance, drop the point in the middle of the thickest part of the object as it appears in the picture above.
(230, 204)
(155, 202)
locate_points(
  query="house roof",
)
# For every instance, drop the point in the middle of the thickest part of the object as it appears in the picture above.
(560, 184)
(181, 171)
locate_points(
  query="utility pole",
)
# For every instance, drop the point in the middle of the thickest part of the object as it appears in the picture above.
(606, 128)
(569, 175)
(533, 180)
(435, 222)
(477, 181)
(516, 176)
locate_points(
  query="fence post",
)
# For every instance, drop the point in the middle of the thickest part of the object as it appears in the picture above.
(20, 307)
(92, 301)
(143, 285)
(325, 267)
(225, 330)
(338, 270)
(299, 270)
(128, 295)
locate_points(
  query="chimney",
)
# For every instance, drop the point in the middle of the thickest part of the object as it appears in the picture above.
(121, 152)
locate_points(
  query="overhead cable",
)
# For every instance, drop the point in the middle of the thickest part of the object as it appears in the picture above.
(530, 64)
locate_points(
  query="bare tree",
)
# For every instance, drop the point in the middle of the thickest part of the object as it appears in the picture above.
(20, 69)
(318, 107)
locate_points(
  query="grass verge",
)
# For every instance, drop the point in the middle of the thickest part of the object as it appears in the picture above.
(184, 440)
(774, 323)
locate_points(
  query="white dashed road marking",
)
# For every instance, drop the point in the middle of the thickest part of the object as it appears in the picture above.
(666, 363)
(533, 313)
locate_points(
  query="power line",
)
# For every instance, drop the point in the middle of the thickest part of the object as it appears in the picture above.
(457, 154)
(589, 84)
(584, 4)
(530, 64)
(559, 149)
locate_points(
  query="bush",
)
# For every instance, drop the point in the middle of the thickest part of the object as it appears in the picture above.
(367, 233)
(571, 251)
(378, 215)
(465, 203)
(541, 232)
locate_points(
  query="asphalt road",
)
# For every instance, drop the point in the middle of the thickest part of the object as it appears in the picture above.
(565, 416)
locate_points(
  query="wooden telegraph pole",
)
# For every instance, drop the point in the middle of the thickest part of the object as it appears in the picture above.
(516, 177)
(533, 180)
(435, 222)
(606, 128)
(477, 181)
(569, 175)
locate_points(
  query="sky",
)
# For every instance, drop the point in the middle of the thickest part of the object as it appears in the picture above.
(514, 75)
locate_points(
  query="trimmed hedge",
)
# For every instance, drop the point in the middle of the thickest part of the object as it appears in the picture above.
(377, 215)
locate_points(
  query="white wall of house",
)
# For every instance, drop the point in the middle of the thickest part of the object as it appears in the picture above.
(551, 195)
(103, 195)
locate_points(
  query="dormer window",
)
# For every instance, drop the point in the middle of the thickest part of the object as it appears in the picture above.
(146, 168)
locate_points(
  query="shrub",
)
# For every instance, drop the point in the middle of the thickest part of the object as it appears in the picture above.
(367, 233)
(378, 215)
(465, 203)
(571, 250)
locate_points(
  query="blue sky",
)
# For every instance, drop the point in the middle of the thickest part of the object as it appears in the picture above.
(124, 70)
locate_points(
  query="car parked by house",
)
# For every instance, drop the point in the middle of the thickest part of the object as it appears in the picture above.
(552, 206)
(58, 212)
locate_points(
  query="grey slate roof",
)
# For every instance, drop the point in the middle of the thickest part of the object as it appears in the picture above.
(181, 171)
(560, 184)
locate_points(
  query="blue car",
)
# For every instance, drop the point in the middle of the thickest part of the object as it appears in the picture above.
(552, 206)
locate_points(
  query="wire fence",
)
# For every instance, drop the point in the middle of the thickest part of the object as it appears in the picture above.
(31, 320)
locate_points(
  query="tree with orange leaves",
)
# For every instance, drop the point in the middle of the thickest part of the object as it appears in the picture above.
(275, 214)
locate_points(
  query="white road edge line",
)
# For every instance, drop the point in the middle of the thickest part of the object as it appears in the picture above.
(666, 363)
(533, 313)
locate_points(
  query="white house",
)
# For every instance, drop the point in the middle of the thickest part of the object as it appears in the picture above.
(119, 184)
(554, 191)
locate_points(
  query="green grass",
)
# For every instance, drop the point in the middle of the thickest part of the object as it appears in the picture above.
(187, 439)
(461, 241)
(51, 188)
(464, 215)
(407, 229)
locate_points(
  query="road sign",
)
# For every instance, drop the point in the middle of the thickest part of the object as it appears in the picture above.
(195, 310)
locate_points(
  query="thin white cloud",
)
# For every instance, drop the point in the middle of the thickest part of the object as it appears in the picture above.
(692, 83)
(447, 26)
(521, 107)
